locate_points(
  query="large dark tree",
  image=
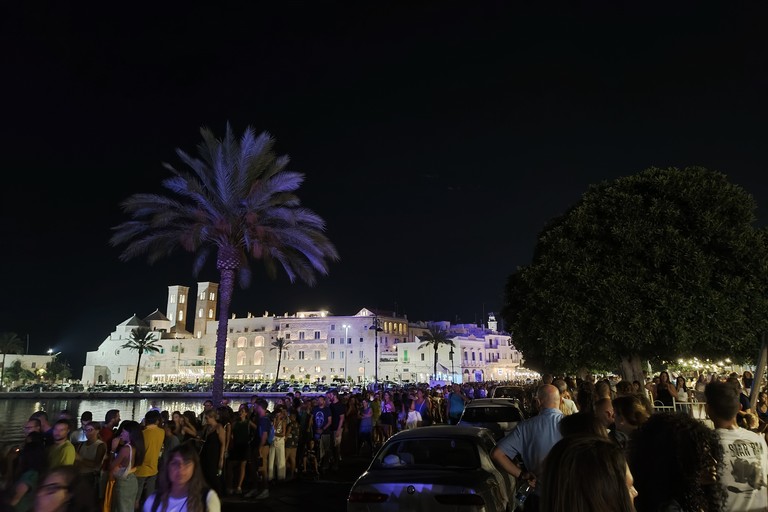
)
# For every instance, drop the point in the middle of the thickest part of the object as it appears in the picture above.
(236, 201)
(142, 340)
(662, 264)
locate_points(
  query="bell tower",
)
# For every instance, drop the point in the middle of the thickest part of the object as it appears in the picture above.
(205, 308)
(177, 307)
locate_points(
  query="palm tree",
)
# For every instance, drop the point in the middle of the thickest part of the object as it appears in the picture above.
(142, 339)
(10, 343)
(435, 336)
(238, 201)
(279, 344)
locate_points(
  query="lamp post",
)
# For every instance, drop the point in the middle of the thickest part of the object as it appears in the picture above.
(346, 335)
(450, 356)
(376, 329)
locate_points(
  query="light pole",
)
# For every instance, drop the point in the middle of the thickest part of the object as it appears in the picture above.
(450, 356)
(376, 329)
(346, 335)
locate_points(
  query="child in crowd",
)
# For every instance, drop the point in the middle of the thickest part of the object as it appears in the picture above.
(310, 466)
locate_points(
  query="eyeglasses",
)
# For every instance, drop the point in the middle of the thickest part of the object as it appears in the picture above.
(48, 489)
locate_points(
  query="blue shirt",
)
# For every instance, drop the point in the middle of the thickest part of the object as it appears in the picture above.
(533, 439)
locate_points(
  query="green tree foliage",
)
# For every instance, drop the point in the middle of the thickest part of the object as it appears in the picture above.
(663, 264)
(15, 373)
(237, 201)
(434, 337)
(142, 339)
(10, 343)
(280, 344)
(58, 369)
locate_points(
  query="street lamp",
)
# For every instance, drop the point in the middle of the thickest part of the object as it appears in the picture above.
(450, 356)
(344, 343)
(376, 330)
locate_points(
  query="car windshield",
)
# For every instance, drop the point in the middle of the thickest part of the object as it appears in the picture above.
(446, 452)
(491, 414)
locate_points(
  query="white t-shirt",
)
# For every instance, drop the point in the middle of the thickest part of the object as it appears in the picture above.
(212, 503)
(745, 469)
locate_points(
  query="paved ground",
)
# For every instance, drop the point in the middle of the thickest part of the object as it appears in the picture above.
(328, 494)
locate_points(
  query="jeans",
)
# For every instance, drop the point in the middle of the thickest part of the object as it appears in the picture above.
(126, 489)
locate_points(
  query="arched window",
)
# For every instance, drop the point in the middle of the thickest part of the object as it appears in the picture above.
(242, 342)
(210, 313)
(200, 313)
(258, 341)
(240, 358)
(258, 357)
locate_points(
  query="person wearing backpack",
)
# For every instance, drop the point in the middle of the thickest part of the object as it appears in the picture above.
(176, 481)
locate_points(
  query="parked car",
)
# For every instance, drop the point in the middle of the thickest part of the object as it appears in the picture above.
(434, 468)
(499, 415)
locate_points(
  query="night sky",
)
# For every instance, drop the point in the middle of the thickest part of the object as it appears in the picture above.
(437, 138)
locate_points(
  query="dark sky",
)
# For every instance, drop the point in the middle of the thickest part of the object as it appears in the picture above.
(437, 138)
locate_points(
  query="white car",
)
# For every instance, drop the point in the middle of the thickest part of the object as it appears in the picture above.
(499, 415)
(436, 468)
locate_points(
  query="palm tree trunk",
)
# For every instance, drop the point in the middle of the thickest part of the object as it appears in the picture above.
(279, 360)
(435, 369)
(225, 300)
(136, 378)
(2, 372)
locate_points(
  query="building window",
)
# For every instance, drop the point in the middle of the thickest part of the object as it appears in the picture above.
(287, 335)
(200, 351)
(200, 313)
(301, 354)
(317, 355)
(34, 364)
(422, 357)
(333, 327)
(361, 354)
(349, 341)
(333, 355)
(341, 354)
(182, 299)
(173, 299)
(242, 342)
(333, 341)
(317, 335)
(258, 357)
(481, 356)
(212, 296)
(210, 313)
(258, 341)
(202, 295)
(301, 335)
(361, 340)
(240, 358)
(181, 316)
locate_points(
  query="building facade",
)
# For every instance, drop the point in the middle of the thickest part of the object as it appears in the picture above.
(317, 347)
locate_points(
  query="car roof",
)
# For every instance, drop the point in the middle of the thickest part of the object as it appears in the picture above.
(440, 431)
(492, 402)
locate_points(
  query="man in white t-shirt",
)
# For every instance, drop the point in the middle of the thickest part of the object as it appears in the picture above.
(744, 472)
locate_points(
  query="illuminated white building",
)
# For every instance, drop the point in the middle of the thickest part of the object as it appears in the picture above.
(318, 346)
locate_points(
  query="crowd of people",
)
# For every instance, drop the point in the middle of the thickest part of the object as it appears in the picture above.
(610, 448)
(604, 446)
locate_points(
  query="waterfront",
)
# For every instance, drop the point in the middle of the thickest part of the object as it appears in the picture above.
(14, 410)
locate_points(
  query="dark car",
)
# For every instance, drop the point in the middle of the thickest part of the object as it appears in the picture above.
(441, 467)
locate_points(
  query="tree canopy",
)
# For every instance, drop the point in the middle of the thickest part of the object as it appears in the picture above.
(663, 264)
(236, 201)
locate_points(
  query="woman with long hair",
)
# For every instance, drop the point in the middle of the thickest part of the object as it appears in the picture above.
(629, 413)
(128, 456)
(674, 459)
(586, 473)
(63, 490)
(181, 485)
(666, 393)
(212, 451)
